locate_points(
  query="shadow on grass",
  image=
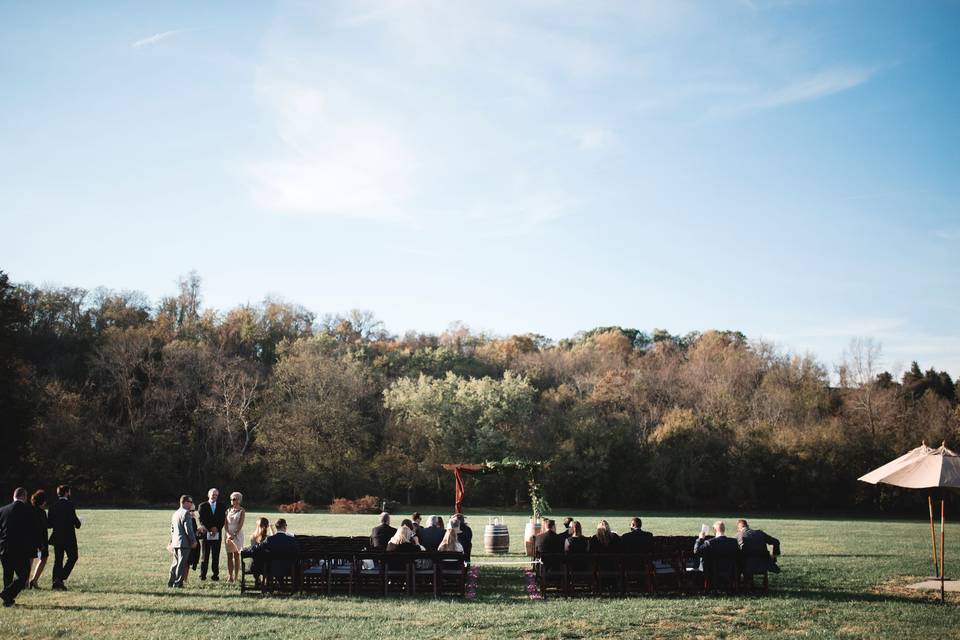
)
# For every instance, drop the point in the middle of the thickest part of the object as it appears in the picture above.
(239, 613)
(818, 595)
(854, 596)
(844, 555)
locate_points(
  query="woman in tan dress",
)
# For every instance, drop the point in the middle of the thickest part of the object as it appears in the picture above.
(233, 527)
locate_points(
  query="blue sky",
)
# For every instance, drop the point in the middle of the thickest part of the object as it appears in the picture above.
(787, 169)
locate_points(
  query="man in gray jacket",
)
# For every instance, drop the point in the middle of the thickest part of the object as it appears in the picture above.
(753, 548)
(183, 538)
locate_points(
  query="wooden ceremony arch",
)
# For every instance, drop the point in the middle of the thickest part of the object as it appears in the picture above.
(537, 502)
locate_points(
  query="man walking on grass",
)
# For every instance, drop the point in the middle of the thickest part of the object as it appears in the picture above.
(64, 522)
(17, 545)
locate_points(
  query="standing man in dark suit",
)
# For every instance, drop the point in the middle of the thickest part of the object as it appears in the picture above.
(18, 545)
(212, 516)
(636, 540)
(381, 534)
(63, 519)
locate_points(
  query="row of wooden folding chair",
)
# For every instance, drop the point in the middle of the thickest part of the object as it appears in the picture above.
(605, 573)
(365, 572)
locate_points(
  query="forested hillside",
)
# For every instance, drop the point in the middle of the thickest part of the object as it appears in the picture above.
(133, 400)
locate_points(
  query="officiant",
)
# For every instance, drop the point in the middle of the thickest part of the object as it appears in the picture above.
(213, 513)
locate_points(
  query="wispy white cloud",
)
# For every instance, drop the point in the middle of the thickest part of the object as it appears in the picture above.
(813, 87)
(948, 234)
(804, 89)
(157, 38)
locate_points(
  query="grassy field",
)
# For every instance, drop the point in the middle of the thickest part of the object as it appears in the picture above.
(841, 578)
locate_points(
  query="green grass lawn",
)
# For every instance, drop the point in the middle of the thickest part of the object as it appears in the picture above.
(841, 578)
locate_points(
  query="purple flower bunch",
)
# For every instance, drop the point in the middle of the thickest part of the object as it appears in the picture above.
(533, 590)
(473, 577)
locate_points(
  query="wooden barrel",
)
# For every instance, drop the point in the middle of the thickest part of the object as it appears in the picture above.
(496, 539)
(530, 537)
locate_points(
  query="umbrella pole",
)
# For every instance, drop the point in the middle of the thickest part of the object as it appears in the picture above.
(942, 594)
(933, 538)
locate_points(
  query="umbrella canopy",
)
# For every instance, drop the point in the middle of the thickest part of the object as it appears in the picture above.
(920, 468)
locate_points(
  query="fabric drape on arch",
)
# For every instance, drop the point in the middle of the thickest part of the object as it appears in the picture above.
(458, 471)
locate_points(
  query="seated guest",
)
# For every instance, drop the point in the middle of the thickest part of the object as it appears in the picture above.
(281, 549)
(753, 548)
(575, 542)
(464, 534)
(605, 540)
(548, 541)
(415, 519)
(567, 522)
(576, 545)
(403, 540)
(409, 524)
(382, 533)
(719, 554)
(636, 540)
(450, 542)
(260, 534)
(282, 528)
(431, 535)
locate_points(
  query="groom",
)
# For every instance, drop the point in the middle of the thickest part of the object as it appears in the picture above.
(212, 516)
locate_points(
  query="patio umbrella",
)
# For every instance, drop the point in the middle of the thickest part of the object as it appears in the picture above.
(923, 468)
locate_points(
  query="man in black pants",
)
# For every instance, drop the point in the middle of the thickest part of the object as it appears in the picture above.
(212, 516)
(18, 545)
(63, 519)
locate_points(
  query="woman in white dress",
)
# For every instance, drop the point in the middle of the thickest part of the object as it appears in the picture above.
(233, 528)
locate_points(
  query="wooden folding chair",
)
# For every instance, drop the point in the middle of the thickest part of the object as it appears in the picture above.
(424, 574)
(580, 574)
(450, 573)
(340, 571)
(370, 573)
(551, 573)
(399, 573)
(314, 573)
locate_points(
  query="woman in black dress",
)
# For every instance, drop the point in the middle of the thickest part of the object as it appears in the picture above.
(39, 501)
(576, 545)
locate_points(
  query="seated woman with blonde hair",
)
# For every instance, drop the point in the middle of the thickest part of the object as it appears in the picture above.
(259, 537)
(233, 528)
(605, 540)
(402, 540)
(450, 542)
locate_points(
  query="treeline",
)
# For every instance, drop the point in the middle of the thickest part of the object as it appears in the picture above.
(134, 402)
